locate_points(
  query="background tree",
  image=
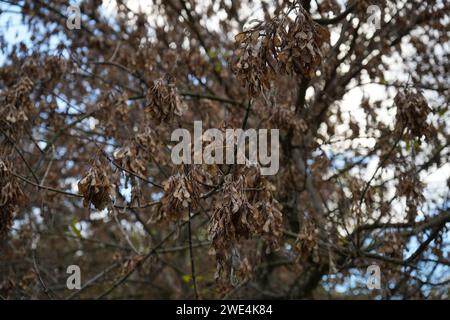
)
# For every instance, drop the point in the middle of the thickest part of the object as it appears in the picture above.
(86, 176)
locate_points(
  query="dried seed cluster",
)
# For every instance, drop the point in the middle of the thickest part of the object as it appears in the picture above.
(268, 207)
(163, 101)
(10, 197)
(393, 245)
(281, 46)
(109, 109)
(181, 192)
(238, 216)
(306, 245)
(135, 156)
(411, 188)
(17, 105)
(95, 187)
(412, 113)
(283, 117)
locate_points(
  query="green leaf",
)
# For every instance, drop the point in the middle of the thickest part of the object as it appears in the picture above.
(186, 278)
(212, 53)
(417, 146)
(442, 111)
(217, 67)
(74, 229)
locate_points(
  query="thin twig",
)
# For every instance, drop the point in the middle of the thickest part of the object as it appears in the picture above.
(191, 254)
